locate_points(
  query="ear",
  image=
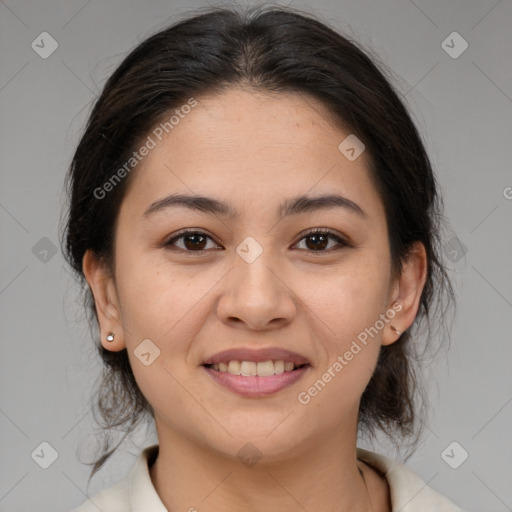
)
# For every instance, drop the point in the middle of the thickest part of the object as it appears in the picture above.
(406, 295)
(102, 285)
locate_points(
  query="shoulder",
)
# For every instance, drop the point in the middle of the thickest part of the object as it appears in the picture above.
(409, 493)
(135, 493)
(113, 499)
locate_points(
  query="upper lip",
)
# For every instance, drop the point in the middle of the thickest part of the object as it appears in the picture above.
(256, 355)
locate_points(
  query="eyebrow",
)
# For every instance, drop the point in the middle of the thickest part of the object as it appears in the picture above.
(293, 206)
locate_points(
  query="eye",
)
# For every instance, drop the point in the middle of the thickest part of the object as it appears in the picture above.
(319, 239)
(193, 241)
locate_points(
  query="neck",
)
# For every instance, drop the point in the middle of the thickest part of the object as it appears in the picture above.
(325, 476)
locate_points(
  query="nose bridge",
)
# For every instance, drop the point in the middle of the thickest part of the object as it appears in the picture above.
(254, 267)
(256, 294)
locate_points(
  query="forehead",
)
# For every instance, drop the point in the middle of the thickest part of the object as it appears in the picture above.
(254, 149)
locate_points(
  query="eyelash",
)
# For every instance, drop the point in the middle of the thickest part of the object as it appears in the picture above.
(316, 231)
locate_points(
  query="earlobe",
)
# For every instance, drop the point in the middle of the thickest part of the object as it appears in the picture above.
(407, 293)
(102, 286)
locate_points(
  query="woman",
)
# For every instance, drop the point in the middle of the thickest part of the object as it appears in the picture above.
(256, 219)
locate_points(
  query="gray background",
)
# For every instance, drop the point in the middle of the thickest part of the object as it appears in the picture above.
(463, 108)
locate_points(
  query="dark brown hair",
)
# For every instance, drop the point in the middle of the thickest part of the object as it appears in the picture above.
(274, 50)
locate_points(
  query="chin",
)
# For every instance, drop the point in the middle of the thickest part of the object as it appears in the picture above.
(266, 445)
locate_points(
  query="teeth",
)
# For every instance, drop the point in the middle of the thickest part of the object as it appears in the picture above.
(265, 369)
(234, 367)
(278, 367)
(248, 368)
(252, 368)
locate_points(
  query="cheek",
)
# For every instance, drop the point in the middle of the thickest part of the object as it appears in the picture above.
(158, 315)
(349, 299)
(155, 299)
(351, 352)
(347, 310)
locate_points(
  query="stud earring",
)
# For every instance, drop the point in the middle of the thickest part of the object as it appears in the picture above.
(396, 330)
(110, 337)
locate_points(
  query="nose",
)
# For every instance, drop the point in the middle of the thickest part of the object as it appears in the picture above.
(256, 296)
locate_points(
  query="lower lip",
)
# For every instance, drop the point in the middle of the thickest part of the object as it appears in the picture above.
(256, 386)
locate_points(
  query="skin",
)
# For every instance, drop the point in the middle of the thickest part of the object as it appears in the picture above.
(254, 150)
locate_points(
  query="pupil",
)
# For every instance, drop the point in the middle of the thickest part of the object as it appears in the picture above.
(194, 244)
(317, 237)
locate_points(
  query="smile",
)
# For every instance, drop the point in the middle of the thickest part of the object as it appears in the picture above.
(254, 374)
(253, 368)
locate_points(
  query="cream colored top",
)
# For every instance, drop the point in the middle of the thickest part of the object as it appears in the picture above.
(136, 492)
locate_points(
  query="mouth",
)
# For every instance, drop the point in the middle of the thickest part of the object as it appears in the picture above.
(256, 373)
(255, 368)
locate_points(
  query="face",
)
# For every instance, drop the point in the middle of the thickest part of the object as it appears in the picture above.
(252, 279)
